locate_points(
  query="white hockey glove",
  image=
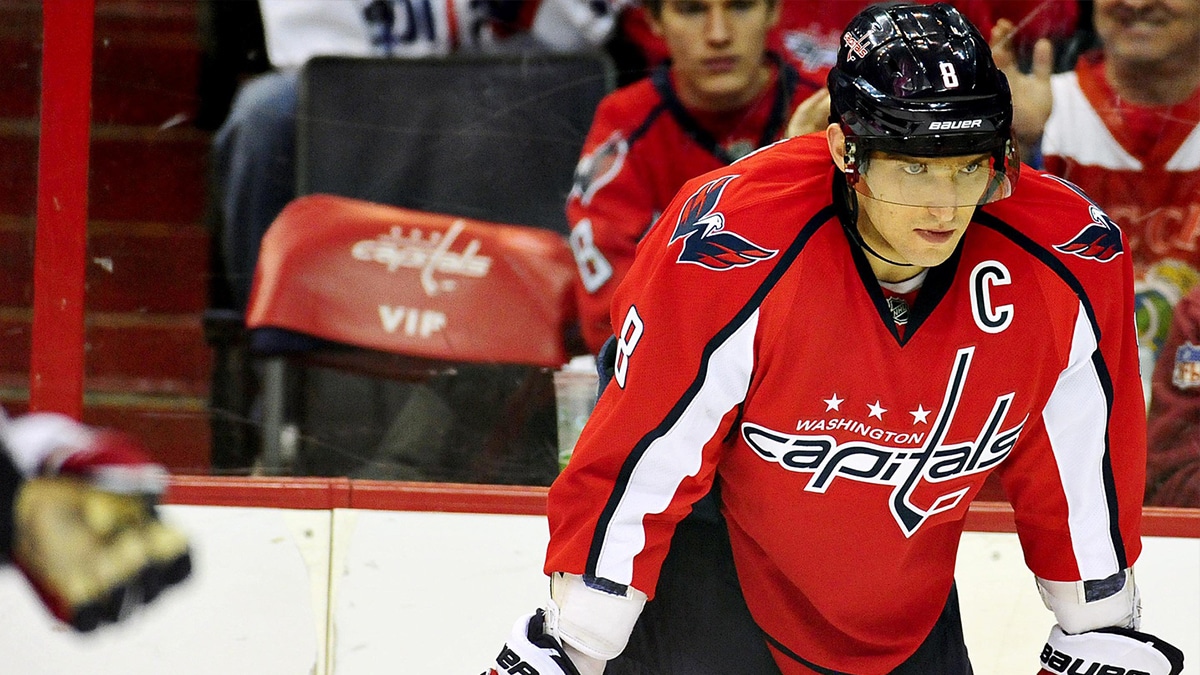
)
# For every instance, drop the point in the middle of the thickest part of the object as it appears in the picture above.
(531, 650)
(1109, 651)
(86, 533)
(583, 624)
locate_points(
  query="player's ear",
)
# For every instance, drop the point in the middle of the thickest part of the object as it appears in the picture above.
(837, 145)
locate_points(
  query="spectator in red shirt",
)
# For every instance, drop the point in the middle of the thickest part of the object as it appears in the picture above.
(809, 31)
(721, 96)
(1125, 127)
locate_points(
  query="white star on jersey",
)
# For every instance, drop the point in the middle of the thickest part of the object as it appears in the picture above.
(920, 415)
(876, 410)
(833, 403)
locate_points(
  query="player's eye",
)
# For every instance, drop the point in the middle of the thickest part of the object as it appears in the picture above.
(913, 169)
(972, 168)
(689, 7)
(742, 5)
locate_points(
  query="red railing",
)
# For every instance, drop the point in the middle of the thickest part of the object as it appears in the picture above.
(346, 493)
(60, 253)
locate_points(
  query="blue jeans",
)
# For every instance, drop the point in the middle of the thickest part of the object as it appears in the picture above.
(254, 164)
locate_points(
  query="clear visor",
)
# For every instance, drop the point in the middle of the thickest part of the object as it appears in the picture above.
(938, 182)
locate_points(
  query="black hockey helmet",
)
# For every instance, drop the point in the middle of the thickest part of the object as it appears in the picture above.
(919, 81)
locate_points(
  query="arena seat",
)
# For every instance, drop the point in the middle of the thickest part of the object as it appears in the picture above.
(411, 283)
(478, 154)
(488, 137)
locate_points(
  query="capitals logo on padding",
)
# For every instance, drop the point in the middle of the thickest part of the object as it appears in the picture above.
(1099, 239)
(706, 242)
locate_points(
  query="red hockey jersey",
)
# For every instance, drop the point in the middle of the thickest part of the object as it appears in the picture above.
(642, 146)
(757, 352)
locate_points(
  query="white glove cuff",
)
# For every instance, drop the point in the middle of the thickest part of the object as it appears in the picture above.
(1076, 613)
(33, 438)
(594, 622)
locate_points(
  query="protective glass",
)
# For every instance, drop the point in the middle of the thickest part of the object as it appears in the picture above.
(938, 182)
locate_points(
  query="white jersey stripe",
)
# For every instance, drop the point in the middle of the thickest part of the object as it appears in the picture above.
(1079, 444)
(1075, 130)
(1187, 157)
(677, 454)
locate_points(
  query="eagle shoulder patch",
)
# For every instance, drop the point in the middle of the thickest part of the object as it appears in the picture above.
(1100, 239)
(706, 242)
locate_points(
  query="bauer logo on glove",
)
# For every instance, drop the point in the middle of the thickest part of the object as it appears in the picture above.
(1110, 651)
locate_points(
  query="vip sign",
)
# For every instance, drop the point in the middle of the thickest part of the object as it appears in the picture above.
(414, 322)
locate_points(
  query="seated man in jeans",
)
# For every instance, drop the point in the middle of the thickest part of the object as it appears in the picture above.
(254, 150)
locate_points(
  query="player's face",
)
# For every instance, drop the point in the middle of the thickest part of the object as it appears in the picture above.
(926, 181)
(1150, 31)
(717, 49)
(924, 227)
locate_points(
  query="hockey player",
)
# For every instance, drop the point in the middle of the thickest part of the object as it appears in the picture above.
(77, 517)
(844, 335)
(722, 96)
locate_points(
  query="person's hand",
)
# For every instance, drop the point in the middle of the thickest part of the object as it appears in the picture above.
(86, 532)
(93, 556)
(1032, 97)
(811, 115)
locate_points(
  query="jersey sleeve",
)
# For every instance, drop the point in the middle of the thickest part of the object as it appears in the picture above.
(1077, 484)
(609, 209)
(1173, 455)
(685, 355)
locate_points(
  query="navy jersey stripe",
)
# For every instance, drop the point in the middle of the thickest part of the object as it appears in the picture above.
(648, 122)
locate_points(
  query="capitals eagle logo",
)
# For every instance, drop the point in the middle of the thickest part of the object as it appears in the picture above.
(706, 242)
(1099, 239)
(600, 167)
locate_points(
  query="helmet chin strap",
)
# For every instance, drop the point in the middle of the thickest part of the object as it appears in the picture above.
(852, 229)
(867, 247)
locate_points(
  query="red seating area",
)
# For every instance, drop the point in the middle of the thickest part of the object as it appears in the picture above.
(147, 364)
